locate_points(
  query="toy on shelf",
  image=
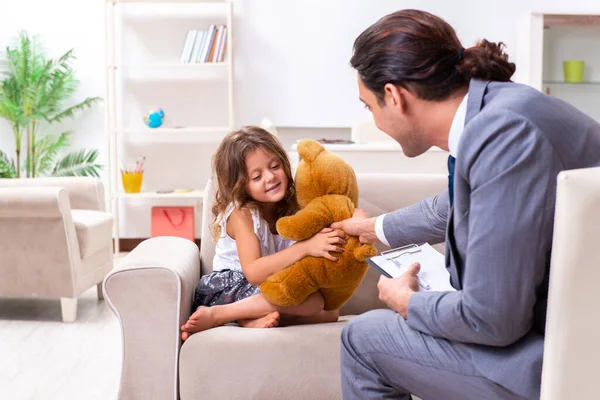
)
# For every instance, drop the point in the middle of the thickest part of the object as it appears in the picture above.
(154, 117)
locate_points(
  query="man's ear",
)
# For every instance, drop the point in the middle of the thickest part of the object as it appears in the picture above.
(395, 96)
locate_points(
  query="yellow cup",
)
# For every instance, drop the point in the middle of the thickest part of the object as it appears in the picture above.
(573, 70)
(132, 181)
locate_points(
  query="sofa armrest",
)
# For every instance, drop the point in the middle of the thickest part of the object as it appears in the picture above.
(151, 294)
(38, 243)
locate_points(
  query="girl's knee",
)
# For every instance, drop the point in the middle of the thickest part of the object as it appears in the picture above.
(313, 304)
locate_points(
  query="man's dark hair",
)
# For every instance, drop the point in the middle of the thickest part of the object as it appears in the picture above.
(421, 52)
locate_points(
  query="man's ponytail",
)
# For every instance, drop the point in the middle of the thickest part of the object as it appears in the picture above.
(486, 61)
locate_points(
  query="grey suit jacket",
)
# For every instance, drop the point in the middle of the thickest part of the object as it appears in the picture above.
(499, 232)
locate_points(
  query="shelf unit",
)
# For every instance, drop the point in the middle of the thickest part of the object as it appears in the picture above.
(171, 65)
(117, 69)
(173, 135)
(194, 194)
(553, 38)
(584, 83)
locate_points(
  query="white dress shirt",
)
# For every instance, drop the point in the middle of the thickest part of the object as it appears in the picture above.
(456, 131)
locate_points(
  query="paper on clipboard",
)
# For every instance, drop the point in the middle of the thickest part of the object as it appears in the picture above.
(433, 274)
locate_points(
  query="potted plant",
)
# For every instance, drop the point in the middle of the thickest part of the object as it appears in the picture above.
(34, 91)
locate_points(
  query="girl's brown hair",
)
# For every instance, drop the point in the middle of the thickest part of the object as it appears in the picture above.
(421, 52)
(229, 167)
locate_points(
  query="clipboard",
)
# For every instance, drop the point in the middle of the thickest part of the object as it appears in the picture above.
(433, 274)
(395, 253)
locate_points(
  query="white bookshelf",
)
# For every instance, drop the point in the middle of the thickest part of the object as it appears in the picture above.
(550, 39)
(207, 65)
(120, 69)
(194, 194)
(165, 1)
(173, 135)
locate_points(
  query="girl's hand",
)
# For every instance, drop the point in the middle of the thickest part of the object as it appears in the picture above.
(325, 241)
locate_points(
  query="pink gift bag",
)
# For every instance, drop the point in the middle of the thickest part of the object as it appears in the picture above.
(173, 221)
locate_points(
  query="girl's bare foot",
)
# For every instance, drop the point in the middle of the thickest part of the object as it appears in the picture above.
(269, 321)
(202, 319)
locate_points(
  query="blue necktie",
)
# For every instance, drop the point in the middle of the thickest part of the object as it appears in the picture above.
(451, 162)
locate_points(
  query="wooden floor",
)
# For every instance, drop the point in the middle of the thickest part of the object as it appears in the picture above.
(42, 357)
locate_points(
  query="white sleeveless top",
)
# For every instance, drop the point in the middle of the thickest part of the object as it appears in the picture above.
(226, 254)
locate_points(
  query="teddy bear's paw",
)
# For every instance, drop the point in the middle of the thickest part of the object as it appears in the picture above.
(285, 227)
(365, 251)
(279, 277)
(272, 291)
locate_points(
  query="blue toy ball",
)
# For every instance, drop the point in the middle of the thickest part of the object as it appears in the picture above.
(154, 117)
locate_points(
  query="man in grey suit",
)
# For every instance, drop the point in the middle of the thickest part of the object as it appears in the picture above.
(507, 143)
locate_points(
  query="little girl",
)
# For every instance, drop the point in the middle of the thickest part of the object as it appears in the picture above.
(254, 189)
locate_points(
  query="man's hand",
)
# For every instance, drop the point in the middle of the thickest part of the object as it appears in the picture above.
(397, 292)
(359, 225)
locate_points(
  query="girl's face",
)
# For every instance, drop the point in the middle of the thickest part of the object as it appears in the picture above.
(267, 182)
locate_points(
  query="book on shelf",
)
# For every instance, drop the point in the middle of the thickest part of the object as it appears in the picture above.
(188, 45)
(203, 46)
(199, 42)
(220, 46)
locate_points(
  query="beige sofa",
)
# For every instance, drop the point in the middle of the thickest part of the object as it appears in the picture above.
(152, 294)
(55, 239)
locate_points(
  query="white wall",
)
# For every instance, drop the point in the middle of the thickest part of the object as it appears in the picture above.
(270, 36)
(81, 28)
(300, 50)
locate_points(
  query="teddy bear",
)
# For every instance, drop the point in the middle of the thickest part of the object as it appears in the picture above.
(327, 192)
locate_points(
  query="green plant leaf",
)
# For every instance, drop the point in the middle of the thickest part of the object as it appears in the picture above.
(7, 166)
(36, 91)
(47, 149)
(79, 163)
(71, 111)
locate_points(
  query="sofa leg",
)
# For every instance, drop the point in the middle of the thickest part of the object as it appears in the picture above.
(100, 293)
(69, 308)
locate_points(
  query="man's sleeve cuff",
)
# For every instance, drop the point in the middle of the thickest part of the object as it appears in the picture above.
(379, 230)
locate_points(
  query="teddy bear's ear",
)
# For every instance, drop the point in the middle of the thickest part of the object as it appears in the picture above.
(309, 149)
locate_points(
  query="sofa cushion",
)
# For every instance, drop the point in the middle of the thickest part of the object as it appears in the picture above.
(94, 230)
(294, 362)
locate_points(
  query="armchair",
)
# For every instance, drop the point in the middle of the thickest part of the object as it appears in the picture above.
(55, 239)
(571, 346)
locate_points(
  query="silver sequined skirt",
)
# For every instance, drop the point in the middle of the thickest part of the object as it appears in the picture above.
(223, 287)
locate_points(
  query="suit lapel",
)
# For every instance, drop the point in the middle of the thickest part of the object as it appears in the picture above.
(454, 261)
